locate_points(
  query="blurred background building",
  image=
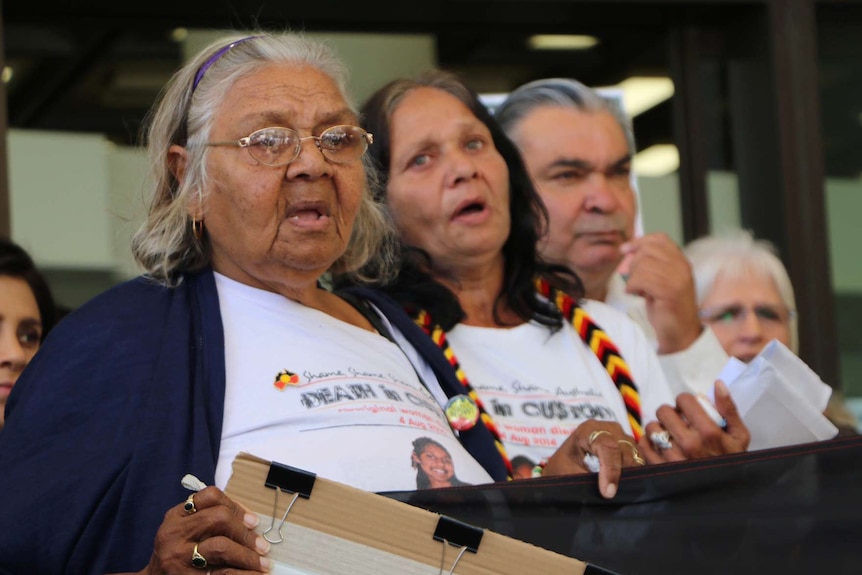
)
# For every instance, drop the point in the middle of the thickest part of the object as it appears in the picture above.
(746, 113)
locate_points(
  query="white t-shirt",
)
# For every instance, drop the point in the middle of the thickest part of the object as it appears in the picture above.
(313, 392)
(539, 386)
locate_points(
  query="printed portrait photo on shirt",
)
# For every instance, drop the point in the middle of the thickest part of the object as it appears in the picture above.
(433, 465)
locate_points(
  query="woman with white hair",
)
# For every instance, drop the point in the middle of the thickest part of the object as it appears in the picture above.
(229, 342)
(745, 295)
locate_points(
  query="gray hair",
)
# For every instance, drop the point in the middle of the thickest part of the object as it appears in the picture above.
(165, 245)
(735, 254)
(559, 92)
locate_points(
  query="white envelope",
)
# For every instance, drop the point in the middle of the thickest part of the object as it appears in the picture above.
(779, 397)
(796, 371)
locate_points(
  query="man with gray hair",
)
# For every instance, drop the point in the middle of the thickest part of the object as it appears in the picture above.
(578, 148)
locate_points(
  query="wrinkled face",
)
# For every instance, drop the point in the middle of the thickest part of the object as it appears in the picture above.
(20, 332)
(580, 163)
(746, 313)
(436, 464)
(448, 185)
(274, 225)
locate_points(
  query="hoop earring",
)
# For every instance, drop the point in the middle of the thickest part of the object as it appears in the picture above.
(198, 228)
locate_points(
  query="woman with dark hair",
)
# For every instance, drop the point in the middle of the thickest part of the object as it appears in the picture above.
(520, 260)
(543, 376)
(433, 465)
(27, 314)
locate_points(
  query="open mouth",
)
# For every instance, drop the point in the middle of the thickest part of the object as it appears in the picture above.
(469, 208)
(307, 215)
(473, 208)
(308, 212)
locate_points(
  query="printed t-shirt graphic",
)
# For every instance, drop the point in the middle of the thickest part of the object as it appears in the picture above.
(540, 386)
(433, 464)
(316, 393)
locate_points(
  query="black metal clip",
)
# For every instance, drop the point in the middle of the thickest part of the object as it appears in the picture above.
(453, 532)
(291, 480)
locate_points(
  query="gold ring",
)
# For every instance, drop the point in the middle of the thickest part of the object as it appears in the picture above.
(189, 505)
(198, 560)
(595, 435)
(636, 455)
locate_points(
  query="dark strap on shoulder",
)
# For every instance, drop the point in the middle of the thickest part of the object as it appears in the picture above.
(478, 441)
(363, 307)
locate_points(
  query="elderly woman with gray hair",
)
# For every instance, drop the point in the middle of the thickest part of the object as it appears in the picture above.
(745, 295)
(229, 343)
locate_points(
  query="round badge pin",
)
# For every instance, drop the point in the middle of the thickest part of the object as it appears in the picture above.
(462, 413)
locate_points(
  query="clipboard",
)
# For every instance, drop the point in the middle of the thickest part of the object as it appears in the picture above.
(333, 529)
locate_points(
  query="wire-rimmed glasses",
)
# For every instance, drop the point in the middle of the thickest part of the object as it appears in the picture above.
(276, 146)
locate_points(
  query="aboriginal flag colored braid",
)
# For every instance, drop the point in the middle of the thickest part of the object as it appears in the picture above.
(599, 341)
(423, 320)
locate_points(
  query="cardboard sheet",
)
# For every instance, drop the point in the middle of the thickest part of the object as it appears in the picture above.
(340, 529)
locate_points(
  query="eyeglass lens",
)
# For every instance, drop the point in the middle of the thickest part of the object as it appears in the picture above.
(280, 146)
(735, 313)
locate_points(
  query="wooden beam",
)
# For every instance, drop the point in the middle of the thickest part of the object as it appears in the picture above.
(5, 210)
(685, 53)
(793, 38)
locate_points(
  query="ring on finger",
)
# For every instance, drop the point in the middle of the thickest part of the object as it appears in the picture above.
(661, 440)
(595, 435)
(189, 505)
(592, 463)
(198, 560)
(635, 453)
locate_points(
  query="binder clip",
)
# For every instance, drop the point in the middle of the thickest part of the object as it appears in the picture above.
(457, 534)
(291, 480)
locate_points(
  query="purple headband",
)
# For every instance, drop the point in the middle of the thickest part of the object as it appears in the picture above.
(212, 60)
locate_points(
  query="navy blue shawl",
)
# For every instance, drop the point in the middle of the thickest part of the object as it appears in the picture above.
(124, 398)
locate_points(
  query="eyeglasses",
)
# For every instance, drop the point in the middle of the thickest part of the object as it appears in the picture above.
(732, 314)
(281, 146)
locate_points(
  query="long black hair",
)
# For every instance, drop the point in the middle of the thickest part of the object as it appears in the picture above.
(414, 287)
(17, 263)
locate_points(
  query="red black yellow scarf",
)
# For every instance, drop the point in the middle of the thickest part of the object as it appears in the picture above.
(591, 334)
